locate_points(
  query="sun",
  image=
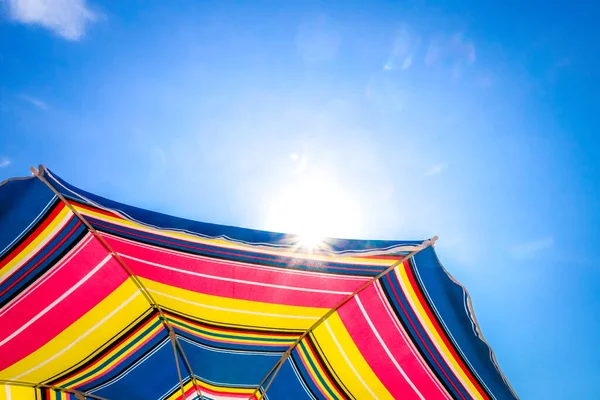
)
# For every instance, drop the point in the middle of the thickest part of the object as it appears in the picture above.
(314, 209)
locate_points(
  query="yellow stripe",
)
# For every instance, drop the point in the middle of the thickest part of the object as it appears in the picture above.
(212, 331)
(39, 241)
(13, 392)
(433, 334)
(106, 367)
(234, 340)
(359, 368)
(214, 388)
(280, 252)
(233, 311)
(68, 337)
(241, 337)
(204, 385)
(177, 394)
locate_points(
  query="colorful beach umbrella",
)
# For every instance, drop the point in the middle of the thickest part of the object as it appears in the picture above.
(100, 300)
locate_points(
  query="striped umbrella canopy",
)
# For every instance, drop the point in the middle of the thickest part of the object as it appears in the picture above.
(100, 300)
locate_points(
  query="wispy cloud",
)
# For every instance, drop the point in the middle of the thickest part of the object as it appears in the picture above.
(532, 248)
(436, 169)
(42, 105)
(4, 162)
(405, 45)
(66, 18)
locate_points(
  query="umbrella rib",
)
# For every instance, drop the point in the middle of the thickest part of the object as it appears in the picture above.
(273, 371)
(32, 385)
(40, 174)
(177, 364)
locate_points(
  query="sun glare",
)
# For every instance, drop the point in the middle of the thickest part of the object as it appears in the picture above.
(314, 209)
(310, 242)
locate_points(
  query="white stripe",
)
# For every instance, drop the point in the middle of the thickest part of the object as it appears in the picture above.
(233, 310)
(266, 247)
(80, 338)
(408, 342)
(229, 351)
(320, 275)
(300, 379)
(126, 372)
(164, 396)
(219, 278)
(360, 379)
(55, 302)
(7, 391)
(23, 295)
(364, 312)
(449, 333)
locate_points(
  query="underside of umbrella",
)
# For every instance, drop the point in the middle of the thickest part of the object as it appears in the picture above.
(100, 300)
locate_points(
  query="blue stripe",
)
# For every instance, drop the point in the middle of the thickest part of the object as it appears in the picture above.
(213, 230)
(233, 254)
(296, 356)
(390, 284)
(232, 346)
(151, 379)
(21, 201)
(127, 362)
(287, 384)
(53, 257)
(449, 299)
(227, 368)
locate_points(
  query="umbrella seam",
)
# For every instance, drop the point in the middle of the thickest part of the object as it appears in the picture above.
(273, 372)
(40, 174)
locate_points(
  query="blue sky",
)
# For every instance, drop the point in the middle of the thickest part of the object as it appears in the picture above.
(471, 121)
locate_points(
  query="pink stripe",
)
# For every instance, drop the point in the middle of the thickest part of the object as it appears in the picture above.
(233, 290)
(73, 307)
(237, 271)
(375, 355)
(65, 275)
(398, 342)
(206, 390)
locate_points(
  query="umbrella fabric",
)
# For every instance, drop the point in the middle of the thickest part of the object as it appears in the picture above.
(100, 300)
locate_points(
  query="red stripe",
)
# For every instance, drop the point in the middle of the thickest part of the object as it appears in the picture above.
(246, 255)
(232, 269)
(441, 332)
(43, 258)
(32, 235)
(371, 350)
(101, 359)
(105, 281)
(232, 331)
(197, 247)
(317, 360)
(387, 276)
(399, 343)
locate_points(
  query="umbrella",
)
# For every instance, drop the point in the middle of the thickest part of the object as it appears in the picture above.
(101, 300)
